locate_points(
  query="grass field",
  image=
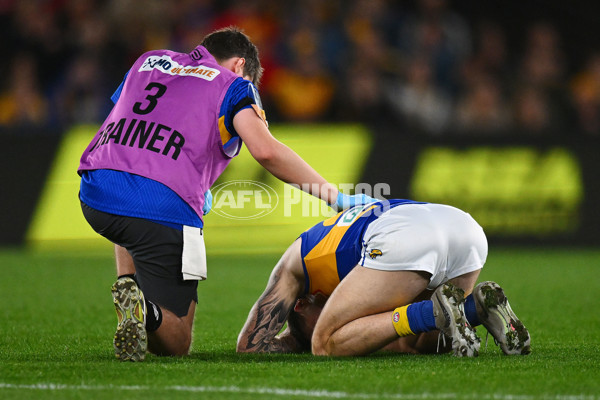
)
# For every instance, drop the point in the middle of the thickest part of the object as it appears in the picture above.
(57, 322)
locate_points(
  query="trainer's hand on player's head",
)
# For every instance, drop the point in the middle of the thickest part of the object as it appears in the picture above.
(345, 201)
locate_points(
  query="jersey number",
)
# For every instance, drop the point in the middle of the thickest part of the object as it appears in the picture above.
(152, 98)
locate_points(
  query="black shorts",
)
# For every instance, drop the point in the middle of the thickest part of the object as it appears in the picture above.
(156, 251)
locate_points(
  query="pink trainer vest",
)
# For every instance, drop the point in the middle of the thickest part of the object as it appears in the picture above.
(165, 125)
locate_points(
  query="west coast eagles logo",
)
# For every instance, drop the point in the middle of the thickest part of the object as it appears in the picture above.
(375, 253)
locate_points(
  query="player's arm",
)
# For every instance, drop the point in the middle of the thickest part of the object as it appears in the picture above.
(270, 312)
(278, 159)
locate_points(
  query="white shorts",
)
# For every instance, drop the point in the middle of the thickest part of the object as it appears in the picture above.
(435, 238)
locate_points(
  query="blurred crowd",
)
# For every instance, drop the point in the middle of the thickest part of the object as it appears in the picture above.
(420, 65)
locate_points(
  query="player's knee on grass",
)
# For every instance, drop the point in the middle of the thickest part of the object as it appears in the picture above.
(318, 346)
(319, 342)
(323, 344)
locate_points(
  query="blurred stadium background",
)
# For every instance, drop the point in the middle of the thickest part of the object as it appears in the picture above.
(490, 106)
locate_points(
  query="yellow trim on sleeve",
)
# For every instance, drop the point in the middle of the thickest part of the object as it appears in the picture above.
(225, 135)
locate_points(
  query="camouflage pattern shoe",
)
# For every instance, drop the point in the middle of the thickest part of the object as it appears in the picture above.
(496, 315)
(448, 310)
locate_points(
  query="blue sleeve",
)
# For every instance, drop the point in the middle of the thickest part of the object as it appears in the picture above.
(241, 94)
(117, 93)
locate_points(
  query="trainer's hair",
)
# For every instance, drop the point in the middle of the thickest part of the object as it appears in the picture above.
(232, 42)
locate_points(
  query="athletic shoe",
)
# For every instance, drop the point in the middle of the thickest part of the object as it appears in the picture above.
(448, 310)
(495, 314)
(130, 341)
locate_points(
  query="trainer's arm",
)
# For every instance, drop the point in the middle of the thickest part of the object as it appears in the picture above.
(269, 313)
(278, 159)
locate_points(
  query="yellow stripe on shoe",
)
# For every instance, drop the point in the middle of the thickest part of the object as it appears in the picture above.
(130, 341)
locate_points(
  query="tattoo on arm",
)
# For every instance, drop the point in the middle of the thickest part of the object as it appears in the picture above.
(267, 319)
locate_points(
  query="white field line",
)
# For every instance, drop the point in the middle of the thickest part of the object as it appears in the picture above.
(326, 394)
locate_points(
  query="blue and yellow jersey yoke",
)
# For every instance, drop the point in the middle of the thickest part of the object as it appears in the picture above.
(332, 248)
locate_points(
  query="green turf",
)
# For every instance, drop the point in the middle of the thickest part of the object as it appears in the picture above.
(57, 322)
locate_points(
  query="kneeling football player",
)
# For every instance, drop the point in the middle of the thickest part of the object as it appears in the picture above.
(395, 275)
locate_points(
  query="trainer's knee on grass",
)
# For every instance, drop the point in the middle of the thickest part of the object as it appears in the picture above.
(178, 344)
(174, 336)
